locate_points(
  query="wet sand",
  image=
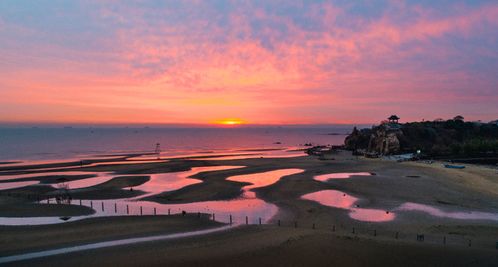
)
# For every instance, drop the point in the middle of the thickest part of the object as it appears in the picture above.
(23, 201)
(22, 239)
(14, 209)
(22, 168)
(50, 179)
(261, 246)
(113, 189)
(474, 188)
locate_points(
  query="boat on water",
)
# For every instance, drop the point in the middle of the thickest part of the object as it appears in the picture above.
(451, 166)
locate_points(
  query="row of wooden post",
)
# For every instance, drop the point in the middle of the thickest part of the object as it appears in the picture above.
(396, 236)
(247, 220)
(278, 222)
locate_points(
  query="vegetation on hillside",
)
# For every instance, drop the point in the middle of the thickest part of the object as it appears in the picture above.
(437, 138)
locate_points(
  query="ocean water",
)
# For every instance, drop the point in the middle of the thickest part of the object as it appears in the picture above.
(25, 144)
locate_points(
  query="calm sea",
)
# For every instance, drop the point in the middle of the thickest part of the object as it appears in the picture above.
(68, 143)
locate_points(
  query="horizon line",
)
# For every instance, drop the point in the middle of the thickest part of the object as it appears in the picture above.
(167, 125)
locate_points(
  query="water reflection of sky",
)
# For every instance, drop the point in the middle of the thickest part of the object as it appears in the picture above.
(247, 205)
(464, 215)
(342, 175)
(261, 179)
(164, 182)
(4, 186)
(100, 177)
(52, 170)
(164, 157)
(338, 199)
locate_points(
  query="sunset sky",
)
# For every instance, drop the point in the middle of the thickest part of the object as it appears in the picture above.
(257, 62)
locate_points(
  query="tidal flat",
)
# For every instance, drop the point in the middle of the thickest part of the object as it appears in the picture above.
(261, 200)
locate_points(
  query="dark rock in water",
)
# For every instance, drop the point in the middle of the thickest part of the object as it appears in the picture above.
(65, 218)
(318, 150)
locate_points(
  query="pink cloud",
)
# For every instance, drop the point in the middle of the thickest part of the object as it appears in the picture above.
(205, 71)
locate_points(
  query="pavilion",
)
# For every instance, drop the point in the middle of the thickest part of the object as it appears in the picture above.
(393, 119)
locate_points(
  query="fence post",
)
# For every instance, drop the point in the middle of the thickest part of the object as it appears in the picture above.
(115, 207)
(80, 202)
(169, 212)
(48, 200)
(230, 219)
(259, 220)
(214, 217)
(247, 220)
(127, 209)
(102, 205)
(155, 213)
(420, 238)
(91, 204)
(140, 210)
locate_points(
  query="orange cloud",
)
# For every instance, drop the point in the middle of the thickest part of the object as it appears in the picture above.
(275, 72)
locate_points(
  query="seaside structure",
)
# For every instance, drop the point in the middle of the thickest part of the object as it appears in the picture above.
(393, 119)
(157, 151)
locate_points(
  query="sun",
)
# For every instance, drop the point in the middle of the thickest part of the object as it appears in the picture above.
(230, 122)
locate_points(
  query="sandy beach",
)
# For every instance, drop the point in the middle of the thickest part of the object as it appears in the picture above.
(309, 233)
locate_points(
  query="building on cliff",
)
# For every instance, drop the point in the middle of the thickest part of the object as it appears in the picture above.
(450, 138)
(393, 119)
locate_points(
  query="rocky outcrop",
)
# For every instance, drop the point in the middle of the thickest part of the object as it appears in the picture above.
(358, 139)
(385, 140)
(432, 138)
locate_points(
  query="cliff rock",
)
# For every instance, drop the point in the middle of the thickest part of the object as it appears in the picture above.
(385, 140)
(434, 138)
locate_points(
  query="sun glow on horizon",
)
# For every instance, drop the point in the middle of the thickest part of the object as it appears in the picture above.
(230, 122)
